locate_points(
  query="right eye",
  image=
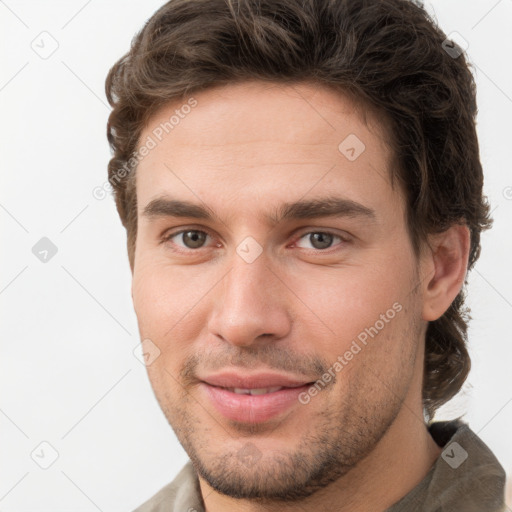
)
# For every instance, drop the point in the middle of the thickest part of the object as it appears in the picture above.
(187, 238)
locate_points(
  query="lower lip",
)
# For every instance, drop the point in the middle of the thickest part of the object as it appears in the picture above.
(252, 408)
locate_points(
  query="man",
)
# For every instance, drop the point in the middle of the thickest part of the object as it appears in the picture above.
(302, 192)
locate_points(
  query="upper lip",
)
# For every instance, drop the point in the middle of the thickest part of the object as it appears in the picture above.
(255, 381)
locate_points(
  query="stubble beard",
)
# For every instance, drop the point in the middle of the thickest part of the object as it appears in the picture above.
(336, 443)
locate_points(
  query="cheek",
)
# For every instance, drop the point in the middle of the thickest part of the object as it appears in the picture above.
(165, 311)
(348, 300)
(167, 302)
(150, 301)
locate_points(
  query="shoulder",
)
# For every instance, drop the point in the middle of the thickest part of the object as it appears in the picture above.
(181, 494)
(467, 474)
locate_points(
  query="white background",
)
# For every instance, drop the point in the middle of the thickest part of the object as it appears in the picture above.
(68, 373)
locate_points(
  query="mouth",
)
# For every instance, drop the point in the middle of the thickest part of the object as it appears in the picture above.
(252, 399)
(255, 391)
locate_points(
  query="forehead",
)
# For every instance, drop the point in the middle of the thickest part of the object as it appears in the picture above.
(268, 139)
(303, 112)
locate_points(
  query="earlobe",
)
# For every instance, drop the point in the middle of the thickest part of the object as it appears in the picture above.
(449, 252)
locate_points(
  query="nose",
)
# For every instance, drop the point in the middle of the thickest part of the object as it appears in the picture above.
(250, 305)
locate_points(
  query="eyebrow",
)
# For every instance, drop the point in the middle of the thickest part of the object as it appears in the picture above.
(303, 209)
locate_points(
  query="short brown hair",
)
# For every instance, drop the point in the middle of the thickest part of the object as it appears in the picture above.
(388, 53)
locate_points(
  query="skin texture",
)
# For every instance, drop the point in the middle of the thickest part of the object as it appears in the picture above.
(361, 443)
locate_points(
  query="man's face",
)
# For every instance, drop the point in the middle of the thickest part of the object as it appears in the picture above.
(263, 295)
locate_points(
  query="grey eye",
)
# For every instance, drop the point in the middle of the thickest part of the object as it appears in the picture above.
(192, 239)
(318, 240)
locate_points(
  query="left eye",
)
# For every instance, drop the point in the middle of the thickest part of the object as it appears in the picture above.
(318, 239)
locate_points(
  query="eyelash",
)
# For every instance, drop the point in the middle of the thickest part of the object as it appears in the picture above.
(343, 240)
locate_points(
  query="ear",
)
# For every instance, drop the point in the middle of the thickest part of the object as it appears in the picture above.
(446, 264)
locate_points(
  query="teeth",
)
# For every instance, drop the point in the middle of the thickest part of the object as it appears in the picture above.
(256, 391)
